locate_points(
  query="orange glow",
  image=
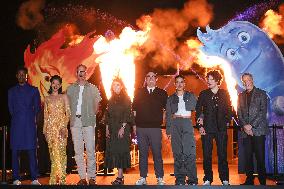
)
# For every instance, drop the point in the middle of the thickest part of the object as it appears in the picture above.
(118, 58)
(271, 23)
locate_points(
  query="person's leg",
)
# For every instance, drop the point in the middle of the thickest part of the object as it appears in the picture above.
(143, 145)
(248, 152)
(207, 146)
(189, 151)
(259, 150)
(177, 148)
(221, 143)
(15, 164)
(63, 162)
(77, 137)
(33, 164)
(155, 140)
(89, 138)
(52, 177)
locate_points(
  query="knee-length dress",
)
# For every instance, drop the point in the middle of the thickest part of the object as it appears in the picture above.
(117, 154)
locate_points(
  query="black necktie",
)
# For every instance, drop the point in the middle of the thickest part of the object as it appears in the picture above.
(151, 90)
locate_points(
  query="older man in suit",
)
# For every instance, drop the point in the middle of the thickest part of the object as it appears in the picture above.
(252, 114)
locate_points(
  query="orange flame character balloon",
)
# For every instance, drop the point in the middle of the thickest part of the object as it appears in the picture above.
(51, 59)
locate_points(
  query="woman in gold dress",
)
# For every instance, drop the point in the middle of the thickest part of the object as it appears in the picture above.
(56, 118)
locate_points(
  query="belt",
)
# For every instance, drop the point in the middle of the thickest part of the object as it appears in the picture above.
(179, 116)
(78, 116)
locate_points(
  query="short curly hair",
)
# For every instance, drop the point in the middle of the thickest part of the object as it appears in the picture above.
(217, 76)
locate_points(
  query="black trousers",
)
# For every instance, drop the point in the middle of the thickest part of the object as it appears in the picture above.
(255, 145)
(221, 139)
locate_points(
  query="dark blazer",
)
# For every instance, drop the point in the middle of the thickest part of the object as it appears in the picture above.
(212, 121)
(256, 113)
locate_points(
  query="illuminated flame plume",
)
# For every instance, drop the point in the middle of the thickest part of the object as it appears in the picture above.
(118, 58)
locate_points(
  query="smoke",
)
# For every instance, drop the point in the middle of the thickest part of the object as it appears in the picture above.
(273, 24)
(168, 26)
(29, 15)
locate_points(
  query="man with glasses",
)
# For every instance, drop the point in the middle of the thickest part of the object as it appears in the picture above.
(84, 100)
(148, 106)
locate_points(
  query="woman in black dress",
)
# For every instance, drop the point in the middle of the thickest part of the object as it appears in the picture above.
(118, 120)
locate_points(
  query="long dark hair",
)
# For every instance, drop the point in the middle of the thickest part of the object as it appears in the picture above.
(58, 78)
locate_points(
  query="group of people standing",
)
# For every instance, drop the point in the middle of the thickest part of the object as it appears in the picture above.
(144, 117)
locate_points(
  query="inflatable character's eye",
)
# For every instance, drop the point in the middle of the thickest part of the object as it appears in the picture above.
(231, 54)
(244, 37)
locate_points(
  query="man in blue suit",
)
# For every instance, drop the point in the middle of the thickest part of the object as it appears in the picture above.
(24, 104)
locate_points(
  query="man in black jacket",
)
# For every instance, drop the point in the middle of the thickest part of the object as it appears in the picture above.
(148, 106)
(252, 112)
(213, 113)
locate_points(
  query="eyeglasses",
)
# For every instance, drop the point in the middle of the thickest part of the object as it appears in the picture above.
(151, 76)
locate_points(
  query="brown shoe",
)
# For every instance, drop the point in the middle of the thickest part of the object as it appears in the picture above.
(82, 182)
(92, 182)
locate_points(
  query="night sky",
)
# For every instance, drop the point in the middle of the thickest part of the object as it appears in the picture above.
(15, 39)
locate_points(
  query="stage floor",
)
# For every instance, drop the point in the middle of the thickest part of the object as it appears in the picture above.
(133, 174)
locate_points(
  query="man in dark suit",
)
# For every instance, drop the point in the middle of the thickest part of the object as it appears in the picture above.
(252, 114)
(213, 113)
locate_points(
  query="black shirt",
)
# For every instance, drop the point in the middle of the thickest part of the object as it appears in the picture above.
(149, 107)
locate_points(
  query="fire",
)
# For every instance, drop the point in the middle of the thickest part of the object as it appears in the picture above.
(271, 23)
(118, 58)
(213, 61)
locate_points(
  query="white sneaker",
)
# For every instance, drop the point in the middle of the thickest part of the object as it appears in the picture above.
(225, 183)
(17, 182)
(35, 182)
(207, 183)
(160, 181)
(141, 181)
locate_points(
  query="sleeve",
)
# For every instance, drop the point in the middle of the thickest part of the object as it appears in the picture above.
(127, 117)
(46, 117)
(164, 100)
(199, 106)
(241, 119)
(229, 112)
(67, 111)
(37, 101)
(10, 102)
(134, 104)
(168, 116)
(262, 112)
(193, 102)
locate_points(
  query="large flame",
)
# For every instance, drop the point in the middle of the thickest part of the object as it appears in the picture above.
(271, 23)
(213, 61)
(118, 58)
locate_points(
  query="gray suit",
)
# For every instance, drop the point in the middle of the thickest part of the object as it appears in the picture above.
(254, 113)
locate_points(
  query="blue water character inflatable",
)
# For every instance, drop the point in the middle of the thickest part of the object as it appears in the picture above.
(247, 48)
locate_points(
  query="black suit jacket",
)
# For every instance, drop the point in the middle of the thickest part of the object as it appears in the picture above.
(214, 121)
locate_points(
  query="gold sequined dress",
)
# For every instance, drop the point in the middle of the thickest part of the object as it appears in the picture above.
(56, 118)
